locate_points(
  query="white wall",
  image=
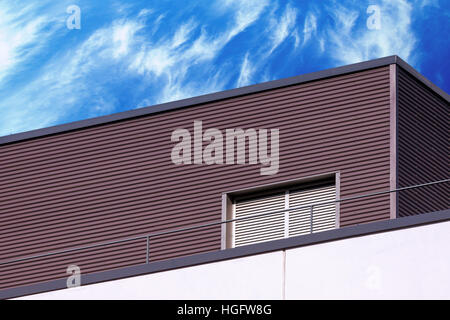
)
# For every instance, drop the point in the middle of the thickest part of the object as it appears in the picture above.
(257, 277)
(407, 264)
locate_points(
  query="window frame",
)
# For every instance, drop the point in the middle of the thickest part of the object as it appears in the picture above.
(229, 201)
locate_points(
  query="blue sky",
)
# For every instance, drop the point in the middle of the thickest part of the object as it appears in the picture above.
(130, 54)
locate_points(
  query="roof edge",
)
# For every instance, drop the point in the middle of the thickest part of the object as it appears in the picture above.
(307, 77)
(424, 80)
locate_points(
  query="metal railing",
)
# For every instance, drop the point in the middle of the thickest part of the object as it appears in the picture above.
(215, 223)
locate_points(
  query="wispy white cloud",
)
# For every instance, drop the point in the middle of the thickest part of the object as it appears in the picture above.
(145, 12)
(67, 82)
(164, 56)
(309, 27)
(283, 27)
(170, 59)
(166, 61)
(81, 80)
(344, 17)
(245, 14)
(280, 28)
(176, 88)
(122, 37)
(425, 3)
(245, 76)
(24, 31)
(297, 39)
(321, 44)
(351, 43)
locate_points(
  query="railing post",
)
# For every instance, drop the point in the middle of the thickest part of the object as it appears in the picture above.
(311, 218)
(147, 253)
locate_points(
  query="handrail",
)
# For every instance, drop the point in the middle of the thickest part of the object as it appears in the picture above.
(210, 224)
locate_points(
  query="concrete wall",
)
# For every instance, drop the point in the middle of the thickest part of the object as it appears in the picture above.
(411, 263)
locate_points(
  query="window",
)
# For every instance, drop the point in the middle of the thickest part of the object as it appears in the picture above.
(284, 223)
(323, 216)
(266, 228)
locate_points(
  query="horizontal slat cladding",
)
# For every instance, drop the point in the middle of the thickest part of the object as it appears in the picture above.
(423, 147)
(88, 260)
(117, 180)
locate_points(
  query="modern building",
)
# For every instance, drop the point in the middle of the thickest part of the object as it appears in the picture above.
(332, 184)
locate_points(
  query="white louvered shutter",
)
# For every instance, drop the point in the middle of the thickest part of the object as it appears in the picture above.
(260, 229)
(324, 216)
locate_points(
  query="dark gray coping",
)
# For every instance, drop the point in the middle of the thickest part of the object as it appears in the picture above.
(215, 256)
(224, 95)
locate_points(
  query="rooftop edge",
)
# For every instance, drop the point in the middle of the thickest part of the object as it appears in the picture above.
(317, 75)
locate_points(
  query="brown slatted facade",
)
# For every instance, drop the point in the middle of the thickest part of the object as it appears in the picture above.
(117, 180)
(423, 147)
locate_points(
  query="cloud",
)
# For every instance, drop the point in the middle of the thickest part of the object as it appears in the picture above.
(425, 3)
(170, 59)
(85, 80)
(351, 42)
(164, 56)
(24, 31)
(245, 75)
(309, 27)
(283, 27)
(280, 27)
(72, 82)
(135, 56)
(178, 88)
(297, 39)
(122, 36)
(245, 14)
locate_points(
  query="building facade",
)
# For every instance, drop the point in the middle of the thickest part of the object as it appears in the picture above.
(87, 193)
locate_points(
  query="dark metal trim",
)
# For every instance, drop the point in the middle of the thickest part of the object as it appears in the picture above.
(393, 142)
(397, 141)
(239, 252)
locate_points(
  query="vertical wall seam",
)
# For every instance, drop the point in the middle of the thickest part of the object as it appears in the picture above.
(393, 138)
(396, 139)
